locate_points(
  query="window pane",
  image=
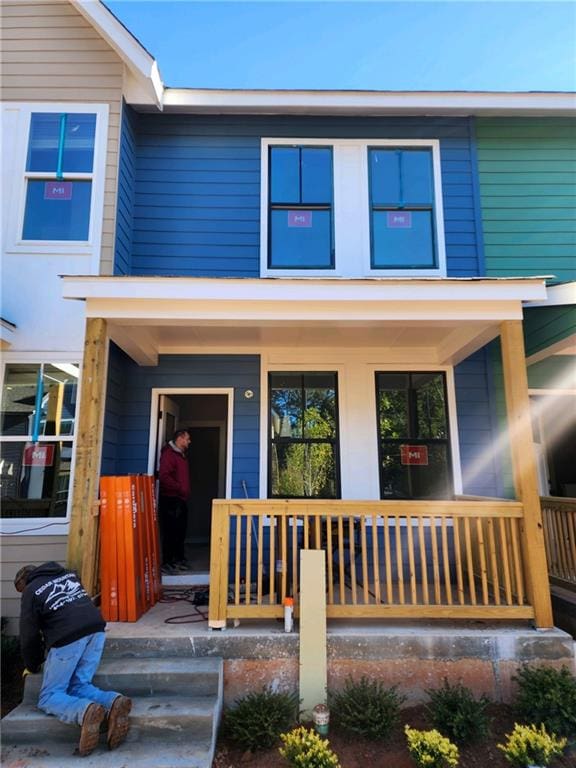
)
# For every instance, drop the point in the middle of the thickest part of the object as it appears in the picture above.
(430, 405)
(59, 399)
(284, 175)
(320, 413)
(79, 143)
(43, 142)
(303, 469)
(57, 210)
(316, 175)
(301, 239)
(393, 405)
(34, 479)
(286, 405)
(385, 176)
(417, 185)
(19, 398)
(429, 479)
(402, 239)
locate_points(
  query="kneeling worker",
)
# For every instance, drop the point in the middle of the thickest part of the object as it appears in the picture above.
(58, 615)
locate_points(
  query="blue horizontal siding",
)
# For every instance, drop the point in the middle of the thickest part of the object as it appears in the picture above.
(128, 400)
(477, 426)
(126, 191)
(196, 191)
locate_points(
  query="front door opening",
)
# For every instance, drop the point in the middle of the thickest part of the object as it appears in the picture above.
(205, 416)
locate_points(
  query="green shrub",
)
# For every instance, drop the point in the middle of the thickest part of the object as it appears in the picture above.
(429, 749)
(305, 749)
(257, 719)
(528, 745)
(547, 696)
(456, 713)
(366, 708)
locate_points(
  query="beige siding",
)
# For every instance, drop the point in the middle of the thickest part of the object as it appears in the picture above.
(49, 52)
(16, 552)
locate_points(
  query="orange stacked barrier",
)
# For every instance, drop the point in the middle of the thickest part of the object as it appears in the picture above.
(129, 547)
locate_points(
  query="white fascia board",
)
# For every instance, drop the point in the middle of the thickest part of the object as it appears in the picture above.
(369, 102)
(132, 53)
(558, 295)
(302, 290)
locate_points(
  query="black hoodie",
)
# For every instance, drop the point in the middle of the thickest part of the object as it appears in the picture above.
(55, 610)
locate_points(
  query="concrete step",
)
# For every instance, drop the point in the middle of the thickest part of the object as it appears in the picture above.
(150, 676)
(177, 703)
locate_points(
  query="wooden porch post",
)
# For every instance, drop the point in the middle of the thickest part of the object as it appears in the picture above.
(524, 469)
(83, 537)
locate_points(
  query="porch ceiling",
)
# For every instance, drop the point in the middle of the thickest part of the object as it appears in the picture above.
(409, 320)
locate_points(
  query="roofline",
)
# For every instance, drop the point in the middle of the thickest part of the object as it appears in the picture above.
(456, 103)
(141, 63)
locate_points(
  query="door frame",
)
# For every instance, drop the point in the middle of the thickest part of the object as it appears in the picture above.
(228, 392)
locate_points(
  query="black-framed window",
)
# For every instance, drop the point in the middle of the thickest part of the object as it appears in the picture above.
(300, 205)
(37, 428)
(402, 215)
(303, 449)
(413, 435)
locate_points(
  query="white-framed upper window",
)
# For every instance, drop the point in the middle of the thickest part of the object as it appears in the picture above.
(351, 208)
(59, 175)
(37, 435)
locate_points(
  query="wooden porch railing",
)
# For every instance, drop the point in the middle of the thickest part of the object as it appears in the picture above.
(559, 520)
(432, 559)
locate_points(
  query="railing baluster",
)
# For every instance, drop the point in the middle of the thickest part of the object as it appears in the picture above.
(260, 573)
(317, 534)
(571, 517)
(248, 582)
(330, 558)
(446, 563)
(517, 562)
(365, 582)
(458, 558)
(493, 561)
(388, 559)
(284, 537)
(423, 561)
(294, 556)
(505, 560)
(306, 533)
(435, 561)
(375, 559)
(399, 561)
(351, 534)
(482, 551)
(341, 561)
(238, 553)
(272, 560)
(411, 560)
(469, 561)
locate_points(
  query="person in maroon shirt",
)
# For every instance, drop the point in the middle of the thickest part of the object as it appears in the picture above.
(173, 501)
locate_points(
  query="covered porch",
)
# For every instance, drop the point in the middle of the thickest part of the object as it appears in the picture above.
(450, 558)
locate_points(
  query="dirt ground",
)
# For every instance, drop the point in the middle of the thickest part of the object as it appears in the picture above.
(356, 753)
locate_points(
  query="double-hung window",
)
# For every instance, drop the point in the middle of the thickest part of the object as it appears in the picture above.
(401, 209)
(59, 172)
(413, 436)
(37, 422)
(300, 208)
(352, 208)
(303, 452)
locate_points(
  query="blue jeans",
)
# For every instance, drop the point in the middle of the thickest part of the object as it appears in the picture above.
(67, 689)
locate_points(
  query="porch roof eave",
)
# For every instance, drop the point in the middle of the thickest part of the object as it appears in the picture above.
(418, 320)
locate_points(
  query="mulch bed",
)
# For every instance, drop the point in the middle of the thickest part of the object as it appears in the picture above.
(354, 752)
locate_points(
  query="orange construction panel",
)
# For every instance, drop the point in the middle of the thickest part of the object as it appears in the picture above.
(108, 563)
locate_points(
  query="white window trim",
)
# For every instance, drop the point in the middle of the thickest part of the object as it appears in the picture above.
(351, 208)
(91, 246)
(357, 436)
(42, 526)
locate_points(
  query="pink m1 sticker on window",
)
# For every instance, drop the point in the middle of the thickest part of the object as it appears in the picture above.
(38, 455)
(58, 190)
(414, 454)
(299, 218)
(402, 220)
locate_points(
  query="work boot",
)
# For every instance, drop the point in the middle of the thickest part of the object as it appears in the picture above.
(90, 729)
(118, 721)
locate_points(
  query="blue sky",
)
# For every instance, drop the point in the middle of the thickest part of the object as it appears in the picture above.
(457, 45)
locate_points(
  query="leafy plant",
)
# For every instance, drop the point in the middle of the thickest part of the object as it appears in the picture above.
(547, 696)
(366, 708)
(257, 719)
(455, 712)
(429, 749)
(528, 745)
(305, 749)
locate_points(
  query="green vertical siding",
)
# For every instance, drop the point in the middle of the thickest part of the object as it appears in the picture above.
(527, 170)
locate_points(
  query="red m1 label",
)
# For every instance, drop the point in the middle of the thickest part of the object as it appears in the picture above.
(414, 454)
(38, 456)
